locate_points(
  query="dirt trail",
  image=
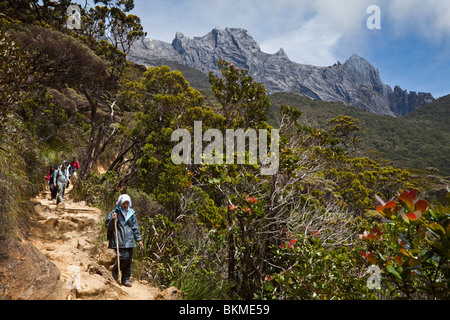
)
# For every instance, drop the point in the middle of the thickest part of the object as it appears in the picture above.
(68, 235)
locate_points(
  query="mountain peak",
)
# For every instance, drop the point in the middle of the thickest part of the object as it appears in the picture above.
(281, 53)
(355, 57)
(359, 63)
(179, 35)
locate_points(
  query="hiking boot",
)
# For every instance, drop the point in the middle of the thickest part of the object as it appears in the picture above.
(126, 283)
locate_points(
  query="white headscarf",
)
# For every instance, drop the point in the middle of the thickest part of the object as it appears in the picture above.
(121, 200)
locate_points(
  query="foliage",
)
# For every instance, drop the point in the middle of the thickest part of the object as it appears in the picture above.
(244, 102)
(112, 21)
(39, 12)
(13, 178)
(357, 181)
(21, 169)
(313, 271)
(412, 247)
(13, 67)
(383, 138)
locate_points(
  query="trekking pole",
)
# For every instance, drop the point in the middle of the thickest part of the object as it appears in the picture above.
(118, 256)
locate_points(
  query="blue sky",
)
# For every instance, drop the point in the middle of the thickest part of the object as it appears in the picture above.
(412, 48)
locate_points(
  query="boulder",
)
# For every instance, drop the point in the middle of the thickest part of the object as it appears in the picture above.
(171, 293)
(27, 274)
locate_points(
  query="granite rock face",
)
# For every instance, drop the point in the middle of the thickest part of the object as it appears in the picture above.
(355, 82)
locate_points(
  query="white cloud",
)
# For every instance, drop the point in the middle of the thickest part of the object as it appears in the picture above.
(429, 19)
(313, 32)
(313, 43)
(316, 37)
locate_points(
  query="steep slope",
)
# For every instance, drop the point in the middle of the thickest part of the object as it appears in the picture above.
(356, 82)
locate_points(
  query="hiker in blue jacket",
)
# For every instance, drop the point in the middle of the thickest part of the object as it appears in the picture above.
(128, 233)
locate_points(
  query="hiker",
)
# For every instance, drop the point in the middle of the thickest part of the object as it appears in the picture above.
(68, 172)
(49, 177)
(127, 233)
(59, 181)
(75, 165)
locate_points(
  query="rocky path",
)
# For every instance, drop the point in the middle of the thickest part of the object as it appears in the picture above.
(68, 235)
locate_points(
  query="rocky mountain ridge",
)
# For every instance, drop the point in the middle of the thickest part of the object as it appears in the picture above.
(355, 82)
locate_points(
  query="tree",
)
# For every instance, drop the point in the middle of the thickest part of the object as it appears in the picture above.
(244, 102)
(43, 12)
(13, 66)
(166, 102)
(345, 133)
(111, 22)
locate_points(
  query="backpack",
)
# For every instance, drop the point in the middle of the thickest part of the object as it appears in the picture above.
(110, 233)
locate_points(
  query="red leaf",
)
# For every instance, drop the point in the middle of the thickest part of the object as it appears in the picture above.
(364, 254)
(404, 217)
(413, 194)
(398, 260)
(369, 256)
(376, 232)
(392, 206)
(380, 209)
(367, 235)
(413, 216)
(406, 200)
(388, 209)
(421, 205)
(315, 233)
(252, 200)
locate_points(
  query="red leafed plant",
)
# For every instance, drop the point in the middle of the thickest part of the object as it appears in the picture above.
(372, 235)
(410, 209)
(252, 200)
(413, 250)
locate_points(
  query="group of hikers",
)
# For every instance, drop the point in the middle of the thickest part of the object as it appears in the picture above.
(59, 178)
(121, 223)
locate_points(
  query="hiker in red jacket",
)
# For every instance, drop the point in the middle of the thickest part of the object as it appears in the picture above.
(75, 165)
